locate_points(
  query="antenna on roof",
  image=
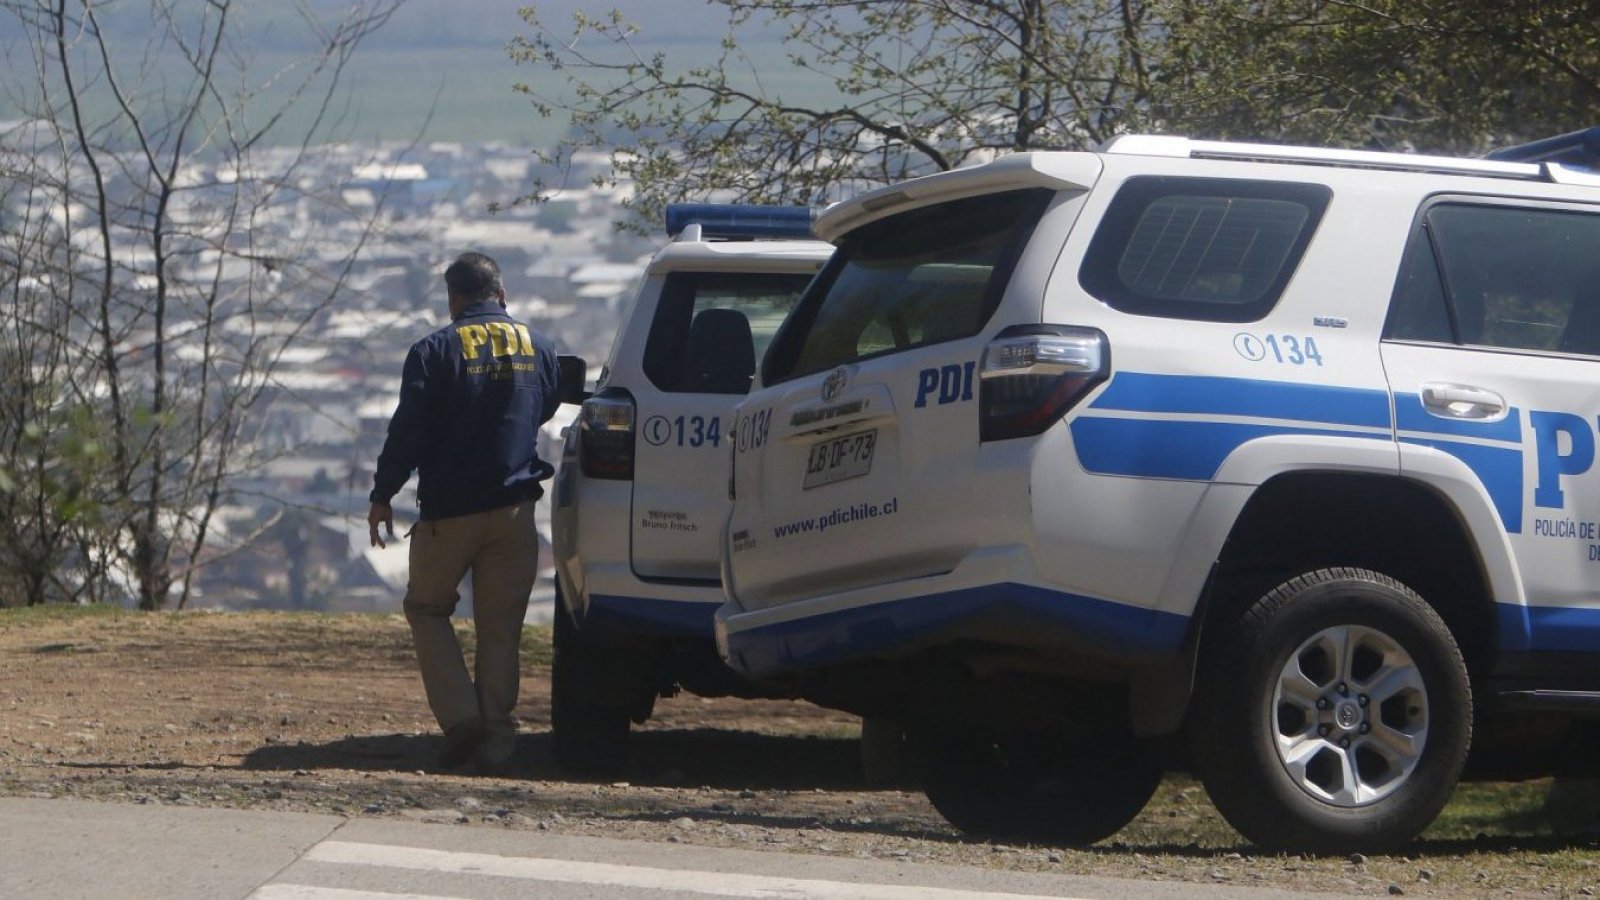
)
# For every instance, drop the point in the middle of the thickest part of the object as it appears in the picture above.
(1580, 149)
(740, 220)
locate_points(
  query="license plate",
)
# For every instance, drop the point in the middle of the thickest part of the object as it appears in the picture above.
(840, 459)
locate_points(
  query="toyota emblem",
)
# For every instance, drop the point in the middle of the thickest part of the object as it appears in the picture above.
(834, 384)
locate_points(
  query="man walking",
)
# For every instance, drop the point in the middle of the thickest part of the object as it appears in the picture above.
(472, 397)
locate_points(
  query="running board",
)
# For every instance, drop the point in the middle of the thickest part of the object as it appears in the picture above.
(1582, 703)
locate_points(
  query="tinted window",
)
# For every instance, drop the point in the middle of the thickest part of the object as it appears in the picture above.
(1502, 276)
(710, 328)
(1419, 311)
(1201, 248)
(926, 276)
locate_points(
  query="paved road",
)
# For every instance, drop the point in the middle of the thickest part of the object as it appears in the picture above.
(75, 849)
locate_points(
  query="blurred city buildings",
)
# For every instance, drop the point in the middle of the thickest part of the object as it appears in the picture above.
(292, 531)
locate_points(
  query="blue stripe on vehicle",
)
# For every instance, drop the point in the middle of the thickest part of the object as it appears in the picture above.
(610, 614)
(1411, 415)
(1548, 628)
(1008, 614)
(1499, 469)
(1195, 450)
(1157, 448)
(1149, 393)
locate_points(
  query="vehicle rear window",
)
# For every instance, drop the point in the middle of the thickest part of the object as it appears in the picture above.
(923, 277)
(711, 328)
(1501, 275)
(1215, 249)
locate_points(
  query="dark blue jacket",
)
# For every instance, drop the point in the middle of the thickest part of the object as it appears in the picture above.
(472, 397)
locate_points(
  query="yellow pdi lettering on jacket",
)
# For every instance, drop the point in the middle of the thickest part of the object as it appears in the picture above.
(472, 338)
(501, 338)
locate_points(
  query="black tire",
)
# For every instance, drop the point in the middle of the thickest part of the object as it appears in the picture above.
(1334, 716)
(590, 738)
(1039, 789)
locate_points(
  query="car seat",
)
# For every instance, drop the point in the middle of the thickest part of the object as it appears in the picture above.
(720, 356)
(1582, 332)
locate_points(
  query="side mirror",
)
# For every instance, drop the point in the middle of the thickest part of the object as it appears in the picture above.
(573, 373)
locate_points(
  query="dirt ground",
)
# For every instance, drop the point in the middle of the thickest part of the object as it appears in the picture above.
(326, 714)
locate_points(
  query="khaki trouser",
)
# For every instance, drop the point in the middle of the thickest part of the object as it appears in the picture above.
(501, 549)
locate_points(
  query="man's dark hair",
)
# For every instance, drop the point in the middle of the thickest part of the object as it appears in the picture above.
(474, 277)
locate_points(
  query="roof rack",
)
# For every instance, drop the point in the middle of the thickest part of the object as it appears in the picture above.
(1164, 145)
(1580, 149)
(738, 220)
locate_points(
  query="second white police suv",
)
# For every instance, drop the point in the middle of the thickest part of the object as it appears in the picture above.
(642, 489)
(1277, 461)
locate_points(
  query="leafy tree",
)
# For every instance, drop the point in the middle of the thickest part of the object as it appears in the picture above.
(1436, 75)
(50, 438)
(909, 87)
(155, 280)
(904, 88)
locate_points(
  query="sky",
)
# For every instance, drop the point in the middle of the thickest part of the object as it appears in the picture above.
(438, 69)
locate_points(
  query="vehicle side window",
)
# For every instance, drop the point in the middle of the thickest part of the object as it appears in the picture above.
(922, 277)
(1214, 249)
(710, 328)
(1508, 277)
(1419, 311)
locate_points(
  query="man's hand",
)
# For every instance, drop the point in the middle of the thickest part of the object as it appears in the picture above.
(384, 514)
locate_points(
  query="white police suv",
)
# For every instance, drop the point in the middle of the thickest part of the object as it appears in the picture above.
(1290, 451)
(641, 491)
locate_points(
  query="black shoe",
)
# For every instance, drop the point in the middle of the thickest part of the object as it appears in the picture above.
(461, 742)
(496, 756)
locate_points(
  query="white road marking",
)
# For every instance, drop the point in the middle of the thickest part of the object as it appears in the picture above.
(687, 880)
(312, 892)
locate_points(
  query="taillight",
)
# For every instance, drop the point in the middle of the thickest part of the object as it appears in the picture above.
(605, 435)
(1032, 375)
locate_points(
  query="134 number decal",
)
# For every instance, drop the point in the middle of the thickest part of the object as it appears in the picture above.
(1284, 349)
(692, 431)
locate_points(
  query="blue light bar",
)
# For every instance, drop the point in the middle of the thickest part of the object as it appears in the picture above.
(740, 220)
(1580, 149)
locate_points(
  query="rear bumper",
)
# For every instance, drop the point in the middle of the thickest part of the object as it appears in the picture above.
(613, 602)
(650, 616)
(966, 607)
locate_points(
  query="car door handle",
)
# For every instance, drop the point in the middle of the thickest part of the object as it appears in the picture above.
(1461, 401)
